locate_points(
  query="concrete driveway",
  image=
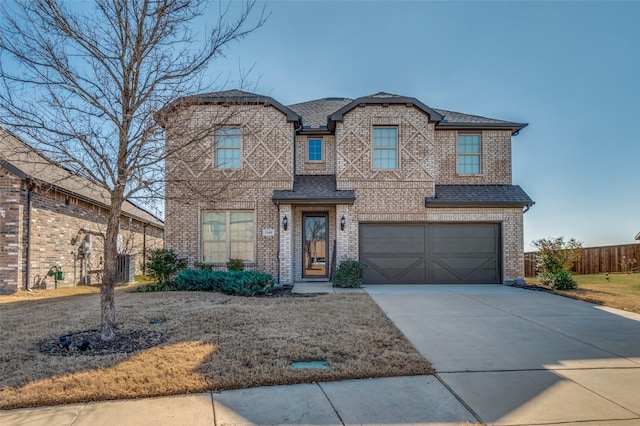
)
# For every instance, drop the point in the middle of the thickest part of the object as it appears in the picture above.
(516, 356)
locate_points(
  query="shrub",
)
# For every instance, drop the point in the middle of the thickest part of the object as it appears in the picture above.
(235, 265)
(161, 286)
(554, 261)
(236, 283)
(163, 264)
(348, 274)
(562, 280)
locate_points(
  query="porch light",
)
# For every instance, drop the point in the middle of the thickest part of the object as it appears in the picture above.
(285, 222)
(343, 220)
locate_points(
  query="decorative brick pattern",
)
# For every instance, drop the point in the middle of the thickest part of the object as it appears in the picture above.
(266, 165)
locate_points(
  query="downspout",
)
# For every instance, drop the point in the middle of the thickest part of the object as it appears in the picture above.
(144, 248)
(278, 253)
(27, 275)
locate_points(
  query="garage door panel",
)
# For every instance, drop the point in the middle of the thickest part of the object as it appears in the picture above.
(401, 239)
(382, 270)
(430, 253)
(467, 270)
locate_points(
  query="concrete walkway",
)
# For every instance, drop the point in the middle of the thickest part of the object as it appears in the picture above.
(503, 356)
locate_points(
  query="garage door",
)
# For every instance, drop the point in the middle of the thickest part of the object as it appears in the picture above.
(432, 253)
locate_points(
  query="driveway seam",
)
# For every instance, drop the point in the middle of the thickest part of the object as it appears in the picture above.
(78, 413)
(213, 408)
(456, 396)
(330, 402)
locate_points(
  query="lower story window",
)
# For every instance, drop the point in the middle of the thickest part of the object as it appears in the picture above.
(227, 235)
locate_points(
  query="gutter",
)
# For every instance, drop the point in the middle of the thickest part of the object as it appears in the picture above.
(27, 273)
(453, 204)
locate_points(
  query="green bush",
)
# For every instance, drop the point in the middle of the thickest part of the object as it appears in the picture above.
(163, 264)
(562, 280)
(348, 274)
(161, 286)
(554, 259)
(235, 265)
(237, 283)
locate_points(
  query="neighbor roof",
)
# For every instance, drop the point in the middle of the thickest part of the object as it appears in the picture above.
(638, 236)
(27, 163)
(314, 189)
(473, 195)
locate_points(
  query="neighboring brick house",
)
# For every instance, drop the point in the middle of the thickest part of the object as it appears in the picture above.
(50, 218)
(418, 195)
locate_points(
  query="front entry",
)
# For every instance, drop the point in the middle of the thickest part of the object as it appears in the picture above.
(315, 246)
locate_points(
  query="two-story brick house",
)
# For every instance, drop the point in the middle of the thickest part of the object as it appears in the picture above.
(418, 195)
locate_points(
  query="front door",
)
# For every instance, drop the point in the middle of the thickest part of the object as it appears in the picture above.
(315, 246)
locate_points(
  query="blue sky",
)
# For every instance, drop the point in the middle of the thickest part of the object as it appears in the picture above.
(570, 69)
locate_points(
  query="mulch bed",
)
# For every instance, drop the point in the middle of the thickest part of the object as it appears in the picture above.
(89, 343)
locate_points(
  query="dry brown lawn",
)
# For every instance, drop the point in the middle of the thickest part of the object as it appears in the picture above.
(622, 291)
(212, 342)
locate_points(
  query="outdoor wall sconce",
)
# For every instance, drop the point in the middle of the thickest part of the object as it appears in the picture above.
(342, 222)
(285, 222)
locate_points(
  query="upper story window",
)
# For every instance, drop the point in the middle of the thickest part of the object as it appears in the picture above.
(227, 235)
(314, 150)
(385, 147)
(228, 148)
(469, 154)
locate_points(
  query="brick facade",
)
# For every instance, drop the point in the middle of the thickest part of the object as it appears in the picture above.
(56, 219)
(266, 164)
(427, 155)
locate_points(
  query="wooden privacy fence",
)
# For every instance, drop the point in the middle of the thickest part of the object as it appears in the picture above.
(595, 260)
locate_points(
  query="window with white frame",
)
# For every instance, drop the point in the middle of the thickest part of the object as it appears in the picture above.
(385, 147)
(314, 150)
(469, 154)
(228, 148)
(227, 235)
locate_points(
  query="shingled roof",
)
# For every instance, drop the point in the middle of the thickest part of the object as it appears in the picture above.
(474, 195)
(321, 114)
(315, 113)
(315, 189)
(230, 97)
(27, 163)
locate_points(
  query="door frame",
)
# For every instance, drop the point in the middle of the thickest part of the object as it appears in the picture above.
(305, 215)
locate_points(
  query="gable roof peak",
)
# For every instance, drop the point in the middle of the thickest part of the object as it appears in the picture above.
(384, 95)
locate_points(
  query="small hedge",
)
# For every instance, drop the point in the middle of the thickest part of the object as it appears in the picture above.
(348, 274)
(236, 283)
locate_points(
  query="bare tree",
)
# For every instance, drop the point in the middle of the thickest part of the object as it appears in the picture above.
(83, 84)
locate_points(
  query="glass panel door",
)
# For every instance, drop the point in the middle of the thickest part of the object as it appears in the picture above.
(314, 246)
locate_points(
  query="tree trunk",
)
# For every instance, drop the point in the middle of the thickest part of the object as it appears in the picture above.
(107, 305)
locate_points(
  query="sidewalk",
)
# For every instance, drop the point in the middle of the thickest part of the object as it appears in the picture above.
(396, 400)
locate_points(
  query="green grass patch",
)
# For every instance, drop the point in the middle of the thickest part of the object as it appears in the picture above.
(621, 291)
